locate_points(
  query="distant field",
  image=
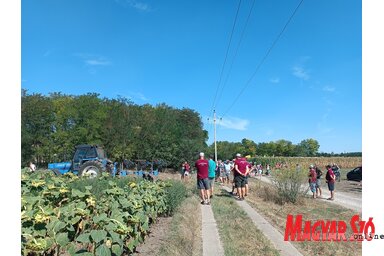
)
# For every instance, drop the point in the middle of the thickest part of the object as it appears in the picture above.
(342, 162)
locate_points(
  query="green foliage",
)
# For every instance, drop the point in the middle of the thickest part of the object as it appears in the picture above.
(68, 215)
(53, 125)
(291, 184)
(176, 193)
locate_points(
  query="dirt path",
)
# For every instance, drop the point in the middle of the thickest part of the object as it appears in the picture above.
(350, 200)
(156, 237)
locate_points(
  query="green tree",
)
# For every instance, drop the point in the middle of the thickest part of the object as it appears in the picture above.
(308, 147)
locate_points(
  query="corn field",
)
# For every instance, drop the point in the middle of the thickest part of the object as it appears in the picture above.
(291, 162)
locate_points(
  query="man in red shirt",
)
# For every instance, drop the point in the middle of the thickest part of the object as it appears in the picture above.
(330, 179)
(240, 172)
(202, 178)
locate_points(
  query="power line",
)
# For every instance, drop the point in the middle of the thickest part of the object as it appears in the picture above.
(237, 49)
(226, 56)
(264, 58)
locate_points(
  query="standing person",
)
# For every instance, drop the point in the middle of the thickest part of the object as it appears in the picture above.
(220, 166)
(187, 169)
(268, 171)
(202, 178)
(182, 171)
(330, 179)
(246, 179)
(227, 168)
(241, 171)
(312, 180)
(336, 171)
(233, 176)
(32, 167)
(211, 174)
(319, 173)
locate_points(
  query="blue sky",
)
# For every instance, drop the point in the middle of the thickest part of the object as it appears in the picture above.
(309, 86)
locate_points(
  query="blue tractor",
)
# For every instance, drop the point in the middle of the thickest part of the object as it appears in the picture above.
(88, 160)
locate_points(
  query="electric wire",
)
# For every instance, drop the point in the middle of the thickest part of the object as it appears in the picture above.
(236, 51)
(226, 55)
(264, 58)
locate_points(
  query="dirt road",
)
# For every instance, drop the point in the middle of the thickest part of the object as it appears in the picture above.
(347, 193)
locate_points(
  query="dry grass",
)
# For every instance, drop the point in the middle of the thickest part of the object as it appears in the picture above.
(238, 234)
(261, 198)
(184, 236)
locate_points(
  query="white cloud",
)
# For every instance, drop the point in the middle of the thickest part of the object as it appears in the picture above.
(300, 72)
(275, 80)
(93, 60)
(97, 62)
(138, 95)
(234, 123)
(134, 96)
(329, 89)
(135, 4)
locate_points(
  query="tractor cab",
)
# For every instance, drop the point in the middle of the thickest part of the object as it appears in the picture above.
(88, 160)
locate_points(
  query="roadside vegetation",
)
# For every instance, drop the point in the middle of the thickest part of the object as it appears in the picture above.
(63, 215)
(238, 234)
(262, 198)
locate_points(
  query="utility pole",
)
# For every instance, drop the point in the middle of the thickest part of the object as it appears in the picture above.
(214, 133)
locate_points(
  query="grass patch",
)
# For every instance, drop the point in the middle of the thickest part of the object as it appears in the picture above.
(184, 236)
(176, 193)
(238, 233)
(310, 210)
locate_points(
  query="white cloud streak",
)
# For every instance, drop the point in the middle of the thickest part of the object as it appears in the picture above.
(140, 6)
(301, 73)
(97, 62)
(329, 89)
(93, 60)
(234, 123)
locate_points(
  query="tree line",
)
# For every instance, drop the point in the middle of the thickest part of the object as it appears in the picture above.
(279, 148)
(51, 126)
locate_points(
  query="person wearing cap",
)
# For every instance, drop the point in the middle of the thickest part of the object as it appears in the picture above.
(211, 173)
(312, 180)
(240, 172)
(202, 178)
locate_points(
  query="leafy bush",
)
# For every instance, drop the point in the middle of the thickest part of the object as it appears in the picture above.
(290, 184)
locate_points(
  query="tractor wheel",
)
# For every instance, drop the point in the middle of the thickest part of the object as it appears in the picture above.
(90, 169)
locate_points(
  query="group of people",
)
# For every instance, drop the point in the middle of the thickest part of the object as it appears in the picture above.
(206, 175)
(315, 180)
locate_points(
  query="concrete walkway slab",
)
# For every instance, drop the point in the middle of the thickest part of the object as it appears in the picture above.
(211, 240)
(285, 247)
